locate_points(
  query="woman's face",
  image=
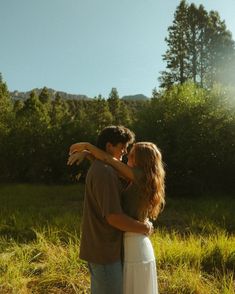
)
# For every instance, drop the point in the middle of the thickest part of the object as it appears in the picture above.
(131, 161)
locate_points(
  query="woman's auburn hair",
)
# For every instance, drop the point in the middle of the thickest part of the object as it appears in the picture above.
(147, 156)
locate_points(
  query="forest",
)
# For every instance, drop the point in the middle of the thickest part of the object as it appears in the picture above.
(191, 117)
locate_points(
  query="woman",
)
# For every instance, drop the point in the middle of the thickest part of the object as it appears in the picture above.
(142, 199)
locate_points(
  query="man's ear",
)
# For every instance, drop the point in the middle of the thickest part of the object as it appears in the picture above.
(108, 146)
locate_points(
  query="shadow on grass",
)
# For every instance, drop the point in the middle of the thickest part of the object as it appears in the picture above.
(215, 261)
(24, 235)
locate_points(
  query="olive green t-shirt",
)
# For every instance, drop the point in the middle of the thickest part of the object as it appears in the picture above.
(132, 197)
(101, 243)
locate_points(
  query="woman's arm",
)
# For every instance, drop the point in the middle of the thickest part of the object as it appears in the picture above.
(78, 157)
(121, 167)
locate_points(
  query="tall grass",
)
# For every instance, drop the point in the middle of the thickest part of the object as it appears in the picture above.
(39, 242)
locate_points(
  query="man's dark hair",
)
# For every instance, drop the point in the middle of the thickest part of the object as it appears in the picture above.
(115, 135)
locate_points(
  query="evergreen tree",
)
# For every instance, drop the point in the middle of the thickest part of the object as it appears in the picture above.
(6, 122)
(18, 105)
(101, 116)
(59, 111)
(177, 53)
(34, 113)
(200, 48)
(114, 104)
(6, 106)
(45, 96)
(221, 51)
(118, 109)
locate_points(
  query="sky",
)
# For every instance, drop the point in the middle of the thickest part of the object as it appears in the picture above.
(89, 46)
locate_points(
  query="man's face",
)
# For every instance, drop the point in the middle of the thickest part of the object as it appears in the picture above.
(117, 151)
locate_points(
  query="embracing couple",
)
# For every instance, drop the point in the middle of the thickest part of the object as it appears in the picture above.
(119, 200)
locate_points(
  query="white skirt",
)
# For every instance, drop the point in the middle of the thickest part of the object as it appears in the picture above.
(139, 273)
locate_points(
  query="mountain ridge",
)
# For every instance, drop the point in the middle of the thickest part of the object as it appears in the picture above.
(17, 95)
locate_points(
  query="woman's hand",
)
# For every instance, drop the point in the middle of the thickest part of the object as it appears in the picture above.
(78, 147)
(77, 157)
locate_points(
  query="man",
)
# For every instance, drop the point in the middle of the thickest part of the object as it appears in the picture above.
(103, 218)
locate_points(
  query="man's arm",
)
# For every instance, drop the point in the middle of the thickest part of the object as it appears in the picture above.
(128, 224)
(107, 194)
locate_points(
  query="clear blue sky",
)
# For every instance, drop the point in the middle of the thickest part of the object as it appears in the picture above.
(89, 46)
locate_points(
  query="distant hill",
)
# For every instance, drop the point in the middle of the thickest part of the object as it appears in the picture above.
(16, 95)
(135, 97)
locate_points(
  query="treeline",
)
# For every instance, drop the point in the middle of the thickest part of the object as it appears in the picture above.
(194, 128)
(192, 119)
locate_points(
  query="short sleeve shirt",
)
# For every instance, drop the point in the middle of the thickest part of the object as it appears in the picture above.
(101, 243)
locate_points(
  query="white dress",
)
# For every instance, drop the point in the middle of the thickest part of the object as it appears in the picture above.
(139, 273)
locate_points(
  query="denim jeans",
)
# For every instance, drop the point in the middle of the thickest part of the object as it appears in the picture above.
(106, 278)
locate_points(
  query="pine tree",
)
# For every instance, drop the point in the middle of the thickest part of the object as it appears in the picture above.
(6, 106)
(118, 109)
(34, 114)
(221, 50)
(45, 96)
(59, 111)
(177, 53)
(101, 116)
(200, 48)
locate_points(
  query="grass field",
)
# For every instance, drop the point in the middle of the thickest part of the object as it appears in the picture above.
(194, 242)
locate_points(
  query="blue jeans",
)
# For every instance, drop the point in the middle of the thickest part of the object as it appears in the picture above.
(106, 278)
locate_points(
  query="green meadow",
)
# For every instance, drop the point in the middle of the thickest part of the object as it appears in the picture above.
(194, 242)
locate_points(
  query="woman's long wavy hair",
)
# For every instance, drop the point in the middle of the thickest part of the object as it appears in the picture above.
(148, 157)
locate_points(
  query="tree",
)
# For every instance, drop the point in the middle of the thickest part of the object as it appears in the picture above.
(45, 96)
(221, 51)
(200, 48)
(118, 109)
(176, 55)
(6, 122)
(6, 106)
(100, 115)
(34, 112)
(29, 139)
(202, 45)
(59, 111)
